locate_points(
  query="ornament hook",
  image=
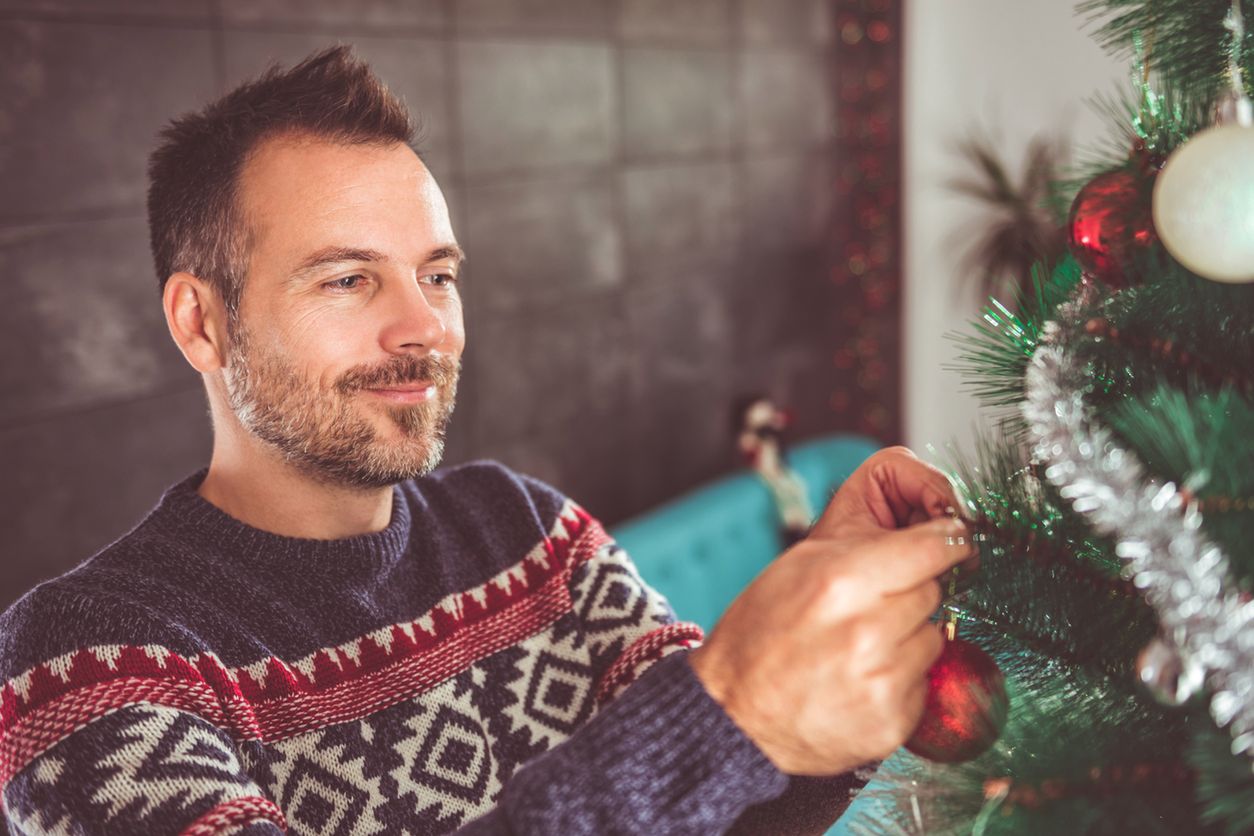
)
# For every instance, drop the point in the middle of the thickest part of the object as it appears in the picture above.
(1234, 22)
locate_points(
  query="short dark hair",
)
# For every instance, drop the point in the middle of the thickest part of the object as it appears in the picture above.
(194, 220)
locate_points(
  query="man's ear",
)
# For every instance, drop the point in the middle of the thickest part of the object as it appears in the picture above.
(196, 316)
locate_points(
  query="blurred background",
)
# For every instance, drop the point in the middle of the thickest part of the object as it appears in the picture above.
(666, 203)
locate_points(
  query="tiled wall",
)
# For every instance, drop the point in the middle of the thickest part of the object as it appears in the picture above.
(641, 185)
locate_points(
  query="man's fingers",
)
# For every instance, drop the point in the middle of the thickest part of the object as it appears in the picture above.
(914, 608)
(919, 651)
(906, 486)
(908, 659)
(901, 560)
(891, 490)
(900, 616)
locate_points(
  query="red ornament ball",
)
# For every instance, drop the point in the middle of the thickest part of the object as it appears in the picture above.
(1111, 223)
(966, 705)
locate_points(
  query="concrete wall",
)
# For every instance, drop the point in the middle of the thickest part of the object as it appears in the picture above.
(640, 184)
(1016, 67)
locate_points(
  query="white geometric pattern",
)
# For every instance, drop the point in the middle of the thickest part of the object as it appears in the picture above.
(423, 765)
(529, 710)
(613, 602)
(449, 751)
(134, 769)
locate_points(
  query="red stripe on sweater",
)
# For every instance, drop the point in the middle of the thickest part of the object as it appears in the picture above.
(50, 723)
(644, 651)
(235, 812)
(298, 713)
(272, 699)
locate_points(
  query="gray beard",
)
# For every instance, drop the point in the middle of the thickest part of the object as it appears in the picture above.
(321, 433)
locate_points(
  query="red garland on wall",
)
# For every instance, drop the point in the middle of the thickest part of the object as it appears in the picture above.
(866, 263)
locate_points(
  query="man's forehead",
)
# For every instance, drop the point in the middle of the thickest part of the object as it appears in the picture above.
(302, 163)
(302, 189)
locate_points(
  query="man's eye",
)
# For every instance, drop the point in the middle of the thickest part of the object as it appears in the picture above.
(346, 283)
(442, 279)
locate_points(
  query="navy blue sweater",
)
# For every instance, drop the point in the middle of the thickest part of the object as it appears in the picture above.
(489, 662)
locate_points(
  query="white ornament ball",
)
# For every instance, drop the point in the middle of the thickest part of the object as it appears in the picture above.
(1204, 204)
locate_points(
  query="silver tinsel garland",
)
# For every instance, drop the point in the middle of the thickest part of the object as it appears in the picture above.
(1157, 532)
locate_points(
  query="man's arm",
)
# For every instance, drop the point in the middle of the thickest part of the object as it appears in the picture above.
(143, 768)
(662, 758)
(89, 745)
(658, 755)
(817, 668)
(822, 660)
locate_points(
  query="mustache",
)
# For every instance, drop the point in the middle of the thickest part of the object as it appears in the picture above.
(441, 371)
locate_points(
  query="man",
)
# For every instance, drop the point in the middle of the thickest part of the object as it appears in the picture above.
(316, 634)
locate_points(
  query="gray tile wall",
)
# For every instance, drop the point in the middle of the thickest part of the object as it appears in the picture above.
(641, 186)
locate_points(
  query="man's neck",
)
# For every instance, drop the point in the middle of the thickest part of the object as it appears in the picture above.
(262, 490)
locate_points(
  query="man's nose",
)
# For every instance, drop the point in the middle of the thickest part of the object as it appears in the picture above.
(411, 321)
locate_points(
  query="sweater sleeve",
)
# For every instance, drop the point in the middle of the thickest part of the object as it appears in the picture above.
(631, 627)
(88, 745)
(660, 756)
(143, 768)
(627, 625)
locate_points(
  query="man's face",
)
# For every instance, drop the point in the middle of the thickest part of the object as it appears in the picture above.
(346, 351)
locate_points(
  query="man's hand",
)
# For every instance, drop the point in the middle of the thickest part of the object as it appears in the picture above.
(822, 659)
(891, 489)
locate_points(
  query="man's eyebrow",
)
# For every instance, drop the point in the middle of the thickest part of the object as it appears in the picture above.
(340, 255)
(449, 251)
(334, 255)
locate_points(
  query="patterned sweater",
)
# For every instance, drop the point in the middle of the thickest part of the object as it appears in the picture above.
(490, 661)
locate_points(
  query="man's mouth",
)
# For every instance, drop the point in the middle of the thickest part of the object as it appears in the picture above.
(405, 393)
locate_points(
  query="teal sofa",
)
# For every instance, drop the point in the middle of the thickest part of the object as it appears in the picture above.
(701, 549)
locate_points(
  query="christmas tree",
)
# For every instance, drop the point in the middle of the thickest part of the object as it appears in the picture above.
(1101, 674)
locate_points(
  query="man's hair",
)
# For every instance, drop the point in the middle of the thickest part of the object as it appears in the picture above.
(194, 219)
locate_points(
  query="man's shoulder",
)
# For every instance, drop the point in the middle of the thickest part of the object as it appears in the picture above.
(53, 620)
(91, 605)
(487, 485)
(504, 515)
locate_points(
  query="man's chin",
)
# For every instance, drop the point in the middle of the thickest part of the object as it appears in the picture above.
(404, 442)
(408, 450)
(382, 466)
(409, 425)
(419, 465)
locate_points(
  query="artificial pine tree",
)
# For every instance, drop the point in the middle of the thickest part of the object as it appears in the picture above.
(1115, 509)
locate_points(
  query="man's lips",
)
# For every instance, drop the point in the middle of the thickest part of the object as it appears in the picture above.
(405, 392)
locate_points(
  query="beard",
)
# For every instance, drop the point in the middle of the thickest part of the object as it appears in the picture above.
(320, 429)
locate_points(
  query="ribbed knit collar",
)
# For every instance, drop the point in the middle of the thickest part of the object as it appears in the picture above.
(191, 518)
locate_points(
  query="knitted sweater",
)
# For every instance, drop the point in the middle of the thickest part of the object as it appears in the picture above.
(490, 661)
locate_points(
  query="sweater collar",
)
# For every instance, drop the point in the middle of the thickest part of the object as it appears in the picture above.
(193, 519)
